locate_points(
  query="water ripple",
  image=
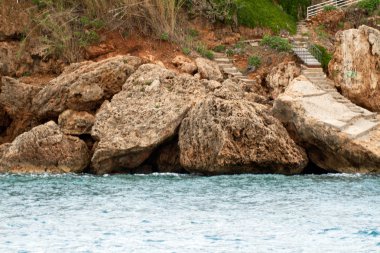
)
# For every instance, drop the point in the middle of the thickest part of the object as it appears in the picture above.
(186, 213)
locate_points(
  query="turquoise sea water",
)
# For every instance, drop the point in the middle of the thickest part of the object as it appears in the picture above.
(184, 213)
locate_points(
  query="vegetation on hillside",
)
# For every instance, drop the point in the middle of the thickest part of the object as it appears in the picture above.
(264, 13)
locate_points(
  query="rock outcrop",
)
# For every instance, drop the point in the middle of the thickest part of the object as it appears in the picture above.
(44, 149)
(76, 123)
(16, 100)
(208, 69)
(225, 134)
(280, 77)
(142, 116)
(84, 86)
(338, 136)
(355, 66)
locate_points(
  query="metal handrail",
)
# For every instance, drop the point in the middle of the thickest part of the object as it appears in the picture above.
(318, 8)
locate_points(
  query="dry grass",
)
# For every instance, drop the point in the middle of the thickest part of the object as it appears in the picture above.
(66, 27)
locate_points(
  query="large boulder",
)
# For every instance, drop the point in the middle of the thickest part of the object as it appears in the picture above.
(355, 66)
(84, 86)
(44, 149)
(280, 77)
(226, 134)
(338, 136)
(146, 113)
(208, 69)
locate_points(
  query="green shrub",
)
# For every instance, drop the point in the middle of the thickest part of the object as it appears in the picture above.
(204, 52)
(277, 43)
(229, 52)
(254, 61)
(328, 8)
(369, 5)
(164, 37)
(220, 48)
(193, 33)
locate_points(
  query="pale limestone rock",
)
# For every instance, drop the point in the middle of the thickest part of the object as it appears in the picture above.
(355, 66)
(337, 135)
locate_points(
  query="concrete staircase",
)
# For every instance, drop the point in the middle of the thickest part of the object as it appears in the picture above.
(301, 46)
(349, 118)
(227, 67)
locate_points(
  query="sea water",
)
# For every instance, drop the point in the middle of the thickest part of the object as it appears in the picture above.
(185, 213)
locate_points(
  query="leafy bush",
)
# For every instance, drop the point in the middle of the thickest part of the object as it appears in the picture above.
(193, 33)
(277, 43)
(164, 37)
(220, 48)
(328, 8)
(204, 52)
(254, 61)
(229, 52)
(369, 5)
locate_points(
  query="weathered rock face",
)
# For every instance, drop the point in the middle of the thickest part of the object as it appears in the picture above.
(232, 136)
(280, 77)
(208, 69)
(142, 116)
(185, 64)
(355, 66)
(44, 149)
(76, 123)
(16, 100)
(84, 88)
(337, 135)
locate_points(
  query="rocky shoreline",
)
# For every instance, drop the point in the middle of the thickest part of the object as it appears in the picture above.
(126, 115)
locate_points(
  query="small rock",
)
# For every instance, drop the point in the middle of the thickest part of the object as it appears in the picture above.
(208, 69)
(185, 64)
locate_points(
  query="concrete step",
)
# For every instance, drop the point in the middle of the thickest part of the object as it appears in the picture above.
(224, 60)
(219, 55)
(246, 80)
(232, 69)
(225, 65)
